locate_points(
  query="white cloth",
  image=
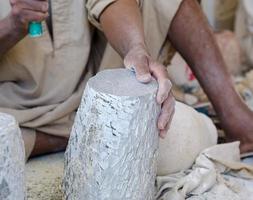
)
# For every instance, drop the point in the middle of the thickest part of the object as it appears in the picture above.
(217, 173)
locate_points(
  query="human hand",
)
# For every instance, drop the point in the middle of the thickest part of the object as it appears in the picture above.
(139, 60)
(25, 11)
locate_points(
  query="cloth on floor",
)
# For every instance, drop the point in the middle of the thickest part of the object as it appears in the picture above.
(218, 173)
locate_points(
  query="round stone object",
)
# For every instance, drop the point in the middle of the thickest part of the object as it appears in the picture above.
(189, 134)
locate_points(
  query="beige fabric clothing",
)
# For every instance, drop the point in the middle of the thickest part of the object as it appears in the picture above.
(41, 82)
(217, 173)
(29, 137)
(220, 13)
(244, 29)
(157, 17)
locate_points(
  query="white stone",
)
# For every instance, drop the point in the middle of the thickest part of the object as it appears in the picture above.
(189, 134)
(12, 160)
(112, 152)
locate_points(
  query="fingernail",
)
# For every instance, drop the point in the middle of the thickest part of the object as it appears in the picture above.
(145, 78)
(161, 125)
(45, 7)
(132, 69)
(160, 98)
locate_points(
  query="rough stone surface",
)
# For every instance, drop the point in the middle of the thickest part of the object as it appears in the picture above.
(112, 152)
(12, 160)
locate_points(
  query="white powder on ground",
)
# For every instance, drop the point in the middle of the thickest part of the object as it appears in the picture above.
(44, 177)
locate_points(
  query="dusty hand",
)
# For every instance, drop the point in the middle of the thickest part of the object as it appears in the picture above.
(24, 11)
(139, 60)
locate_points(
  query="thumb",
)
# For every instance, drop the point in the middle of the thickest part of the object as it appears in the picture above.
(140, 65)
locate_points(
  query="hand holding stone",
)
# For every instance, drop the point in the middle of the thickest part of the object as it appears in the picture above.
(139, 60)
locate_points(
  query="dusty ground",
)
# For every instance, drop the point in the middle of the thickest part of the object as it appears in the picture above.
(44, 176)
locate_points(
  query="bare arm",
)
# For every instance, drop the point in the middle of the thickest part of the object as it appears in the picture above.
(14, 27)
(8, 35)
(194, 39)
(124, 18)
(122, 24)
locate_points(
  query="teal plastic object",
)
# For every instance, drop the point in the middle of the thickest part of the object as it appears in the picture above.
(35, 29)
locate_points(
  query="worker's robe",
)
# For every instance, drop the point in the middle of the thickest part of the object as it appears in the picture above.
(41, 82)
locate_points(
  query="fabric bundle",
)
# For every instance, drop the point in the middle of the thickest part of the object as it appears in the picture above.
(217, 173)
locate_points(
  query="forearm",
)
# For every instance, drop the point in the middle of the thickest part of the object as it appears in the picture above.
(9, 35)
(122, 25)
(194, 39)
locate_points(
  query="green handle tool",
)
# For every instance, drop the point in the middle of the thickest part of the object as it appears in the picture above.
(35, 29)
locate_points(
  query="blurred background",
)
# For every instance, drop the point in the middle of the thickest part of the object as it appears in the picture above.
(232, 22)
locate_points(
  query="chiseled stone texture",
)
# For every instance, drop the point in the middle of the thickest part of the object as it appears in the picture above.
(12, 160)
(112, 152)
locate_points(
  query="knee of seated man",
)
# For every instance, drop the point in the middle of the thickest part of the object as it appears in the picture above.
(190, 133)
